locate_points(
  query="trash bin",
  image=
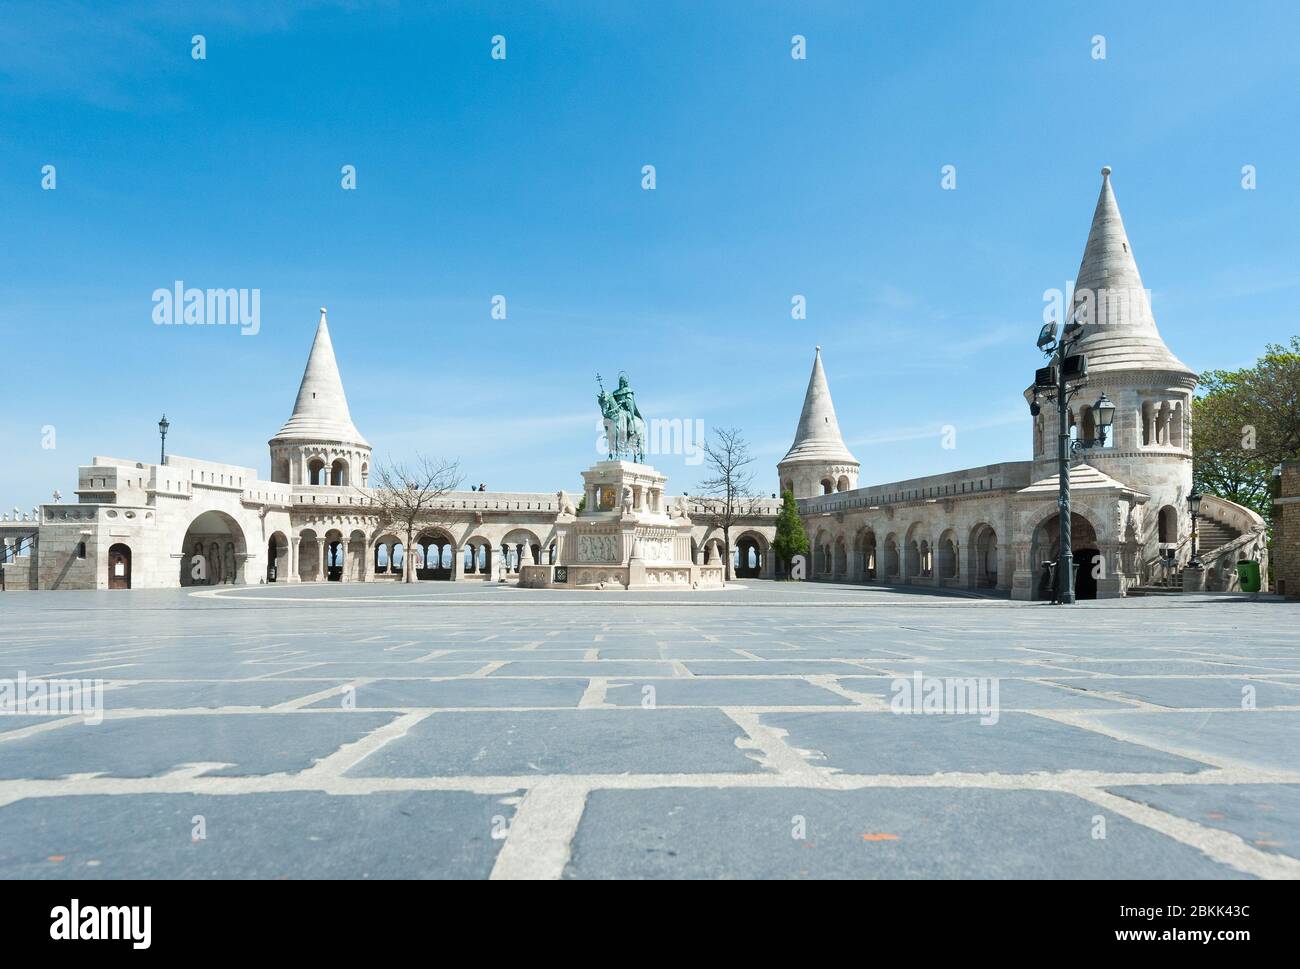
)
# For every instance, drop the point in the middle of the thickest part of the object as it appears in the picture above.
(1248, 575)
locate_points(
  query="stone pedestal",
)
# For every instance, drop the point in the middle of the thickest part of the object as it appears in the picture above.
(1193, 579)
(626, 537)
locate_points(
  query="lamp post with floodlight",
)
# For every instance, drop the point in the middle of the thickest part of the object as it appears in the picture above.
(1065, 376)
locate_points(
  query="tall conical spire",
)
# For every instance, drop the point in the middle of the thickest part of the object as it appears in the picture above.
(321, 411)
(818, 434)
(1109, 298)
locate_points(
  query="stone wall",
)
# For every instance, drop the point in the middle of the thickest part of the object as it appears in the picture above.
(1286, 533)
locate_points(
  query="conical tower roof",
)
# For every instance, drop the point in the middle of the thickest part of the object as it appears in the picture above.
(321, 411)
(1109, 298)
(818, 436)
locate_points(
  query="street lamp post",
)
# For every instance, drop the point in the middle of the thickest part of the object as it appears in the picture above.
(1067, 369)
(162, 430)
(1194, 506)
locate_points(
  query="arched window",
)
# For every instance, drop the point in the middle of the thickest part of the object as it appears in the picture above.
(1167, 525)
(1089, 425)
(339, 472)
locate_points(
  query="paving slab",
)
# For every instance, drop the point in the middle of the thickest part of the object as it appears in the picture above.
(227, 693)
(1259, 738)
(1265, 816)
(464, 693)
(251, 743)
(869, 834)
(889, 743)
(1176, 692)
(723, 693)
(563, 742)
(300, 834)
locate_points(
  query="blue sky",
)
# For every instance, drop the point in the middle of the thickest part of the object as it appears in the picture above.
(522, 177)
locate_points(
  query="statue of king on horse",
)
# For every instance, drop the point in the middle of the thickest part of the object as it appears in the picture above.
(624, 426)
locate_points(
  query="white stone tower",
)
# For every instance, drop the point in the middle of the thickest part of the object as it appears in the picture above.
(319, 444)
(1149, 448)
(818, 463)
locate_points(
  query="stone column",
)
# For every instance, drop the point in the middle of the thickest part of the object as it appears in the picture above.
(1023, 580)
(322, 547)
(293, 575)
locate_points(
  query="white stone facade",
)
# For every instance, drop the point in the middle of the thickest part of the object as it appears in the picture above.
(144, 525)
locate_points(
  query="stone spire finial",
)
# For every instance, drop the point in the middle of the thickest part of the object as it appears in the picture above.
(818, 435)
(321, 411)
(1110, 300)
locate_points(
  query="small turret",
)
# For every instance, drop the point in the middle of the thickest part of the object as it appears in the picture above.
(818, 462)
(319, 444)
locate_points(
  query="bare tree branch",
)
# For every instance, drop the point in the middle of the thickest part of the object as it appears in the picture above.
(728, 496)
(407, 497)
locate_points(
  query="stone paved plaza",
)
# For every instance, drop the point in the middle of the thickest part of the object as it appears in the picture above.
(475, 730)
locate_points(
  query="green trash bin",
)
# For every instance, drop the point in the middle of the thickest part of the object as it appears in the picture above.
(1248, 575)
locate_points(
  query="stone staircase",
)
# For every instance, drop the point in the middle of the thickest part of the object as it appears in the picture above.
(1210, 535)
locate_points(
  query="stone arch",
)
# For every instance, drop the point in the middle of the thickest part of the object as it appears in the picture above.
(947, 557)
(828, 486)
(316, 470)
(864, 552)
(357, 550)
(822, 554)
(386, 560)
(911, 551)
(119, 566)
(277, 557)
(1167, 525)
(843, 483)
(890, 560)
(840, 558)
(1087, 424)
(213, 551)
(751, 555)
(1045, 547)
(982, 548)
(336, 555)
(435, 553)
(478, 556)
(339, 472)
(520, 547)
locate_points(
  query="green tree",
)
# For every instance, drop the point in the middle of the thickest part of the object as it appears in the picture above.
(791, 539)
(1246, 423)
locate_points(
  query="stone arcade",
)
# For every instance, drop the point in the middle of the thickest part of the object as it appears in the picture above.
(141, 525)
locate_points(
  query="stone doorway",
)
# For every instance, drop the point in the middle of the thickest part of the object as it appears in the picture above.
(119, 567)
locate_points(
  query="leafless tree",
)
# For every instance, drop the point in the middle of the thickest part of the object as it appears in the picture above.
(406, 497)
(728, 496)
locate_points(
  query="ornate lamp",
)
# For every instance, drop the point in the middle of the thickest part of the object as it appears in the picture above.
(1194, 506)
(162, 430)
(1104, 412)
